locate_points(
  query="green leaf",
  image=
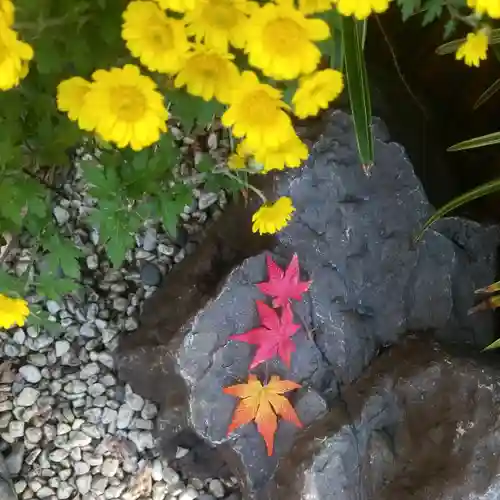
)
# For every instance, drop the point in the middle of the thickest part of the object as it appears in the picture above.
(193, 110)
(289, 91)
(488, 93)
(104, 180)
(451, 47)
(408, 7)
(53, 286)
(333, 46)
(117, 226)
(206, 164)
(40, 319)
(473, 194)
(62, 254)
(357, 85)
(449, 28)
(10, 284)
(477, 142)
(493, 345)
(433, 10)
(171, 205)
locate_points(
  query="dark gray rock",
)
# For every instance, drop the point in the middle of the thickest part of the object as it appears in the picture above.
(422, 423)
(6, 487)
(150, 274)
(371, 285)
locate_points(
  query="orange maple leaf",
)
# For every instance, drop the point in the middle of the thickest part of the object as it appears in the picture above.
(263, 404)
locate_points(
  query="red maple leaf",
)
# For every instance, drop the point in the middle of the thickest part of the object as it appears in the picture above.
(283, 285)
(263, 404)
(273, 337)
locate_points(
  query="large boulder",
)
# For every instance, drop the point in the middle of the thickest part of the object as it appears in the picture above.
(421, 423)
(371, 284)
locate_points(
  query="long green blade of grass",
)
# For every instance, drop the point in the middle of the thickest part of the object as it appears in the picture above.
(477, 142)
(357, 86)
(473, 194)
(488, 93)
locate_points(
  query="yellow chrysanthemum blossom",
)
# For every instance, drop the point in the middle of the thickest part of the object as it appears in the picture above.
(272, 217)
(361, 9)
(219, 23)
(13, 312)
(207, 73)
(124, 107)
(256, 112)
(178, 5)
(14, 57)
(7, 12)
(289, 154)
(474, 49)
(71, 95)
(308, 7)
(158, 41)
(489, 7)
(316, 91)
(280, 40)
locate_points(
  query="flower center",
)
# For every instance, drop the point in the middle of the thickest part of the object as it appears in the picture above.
(220, 14)
(284, 35)
(128, 103)
(260, 106)
(161, 37)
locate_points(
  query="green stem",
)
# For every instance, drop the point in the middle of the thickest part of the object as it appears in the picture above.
(258, 192)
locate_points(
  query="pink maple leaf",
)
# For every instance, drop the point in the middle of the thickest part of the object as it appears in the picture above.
(283, 285)
(273, 337)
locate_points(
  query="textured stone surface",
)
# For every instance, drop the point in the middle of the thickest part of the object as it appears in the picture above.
(6, 488)
(371, 285)
(421, 423)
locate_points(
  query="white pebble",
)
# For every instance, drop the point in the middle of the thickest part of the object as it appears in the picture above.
(30, 373)
(62, 347)
(27, 397)
(189, 494)
(109, 467)
(83, 484)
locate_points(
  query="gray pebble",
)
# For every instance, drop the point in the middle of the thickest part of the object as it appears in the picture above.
(216, 488)
(45, 492)
(149, 243)
(61, 215)
(27, 397)
(124, 416)
(33, 435)
(109, 467)
(189, 494)
(87, 330)
(135, 401)
(92, 262)
(83, 484)
(150, 274)
(62, 347)
(30, 373)
(149, 411)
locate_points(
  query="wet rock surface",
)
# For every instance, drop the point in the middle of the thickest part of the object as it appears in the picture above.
(421, 423)
(371, 285)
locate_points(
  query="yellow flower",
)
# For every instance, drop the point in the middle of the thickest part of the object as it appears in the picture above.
(272, 217)
(316, 91)
(14, 56)
(219, 23)
(124, 107)
(361, 9)
(280, 40)
(489, 7)
(256, 112)
(308, 7)
(178, 5)
(158, 41)
(7, 12)
(474, 48)
(207, 74)
(289, 154)
(236, 161)
(71, 95)
(13, 312)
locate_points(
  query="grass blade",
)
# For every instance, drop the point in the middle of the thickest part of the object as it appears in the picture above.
(477, 142)
(487, 94)
(357, 86)
(473, 194)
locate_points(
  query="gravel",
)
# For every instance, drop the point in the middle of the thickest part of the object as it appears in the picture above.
(68, 429)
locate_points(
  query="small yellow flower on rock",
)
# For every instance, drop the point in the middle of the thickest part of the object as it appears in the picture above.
(361, 9)
(7, 12)
(178, 5)
(158, 41)
(13, 312)
(308, 7)
(272, 217)
(124, 107)
(207, 74)
(71, 95)
(474, 49)
(219, 23)
(289, 154)
(236, 161)
(280, 40)
(489, 7)
(316, 91)
(14, 56)
(256, 112)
